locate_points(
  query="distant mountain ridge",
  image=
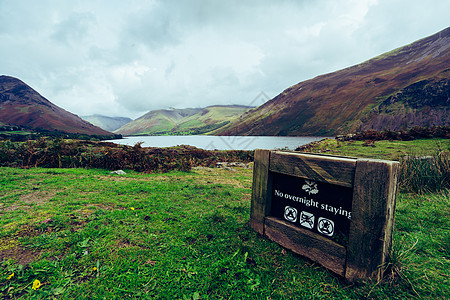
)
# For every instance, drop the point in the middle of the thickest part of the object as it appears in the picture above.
(107, 123)
(23, 106)
(406, 87)
(183, 121)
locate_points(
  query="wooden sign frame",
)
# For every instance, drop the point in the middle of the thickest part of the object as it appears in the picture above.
(374, 184)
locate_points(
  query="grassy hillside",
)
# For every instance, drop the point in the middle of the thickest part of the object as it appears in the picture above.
(183, 121)
(22, 134)
(20, 105)
(84, 234)
(156, 121)
(107, 123)
(401, 89)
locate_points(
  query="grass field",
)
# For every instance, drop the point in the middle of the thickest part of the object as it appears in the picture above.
(390, 150)
(86, 234)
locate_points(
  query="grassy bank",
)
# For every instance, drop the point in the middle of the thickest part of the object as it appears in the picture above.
(425, 164)
(86, 234)
(390, 150)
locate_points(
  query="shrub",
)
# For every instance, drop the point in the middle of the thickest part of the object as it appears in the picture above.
(59, 153)
(404, 135)
(420, 174)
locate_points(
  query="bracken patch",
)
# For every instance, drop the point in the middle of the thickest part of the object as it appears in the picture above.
(59, 153)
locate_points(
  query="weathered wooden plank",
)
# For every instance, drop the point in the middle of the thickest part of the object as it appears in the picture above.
(261, 196)
(307, 243)
(374, 196)
(390, 216)
(334, 170)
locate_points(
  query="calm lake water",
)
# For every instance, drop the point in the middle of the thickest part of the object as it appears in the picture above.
(208, 142)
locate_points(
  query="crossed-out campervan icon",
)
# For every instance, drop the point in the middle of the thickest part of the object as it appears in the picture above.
(307, 219)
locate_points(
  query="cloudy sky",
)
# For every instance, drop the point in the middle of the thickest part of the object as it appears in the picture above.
(124, 58)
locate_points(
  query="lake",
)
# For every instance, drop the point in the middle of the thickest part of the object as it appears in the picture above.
(209, 142)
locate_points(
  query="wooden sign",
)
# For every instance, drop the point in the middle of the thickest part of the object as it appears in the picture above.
(337, 211)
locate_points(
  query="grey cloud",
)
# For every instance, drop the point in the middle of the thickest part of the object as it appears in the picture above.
(223, 76)
(169, 69)
(129, 57)
(154, 27)
(74, 29)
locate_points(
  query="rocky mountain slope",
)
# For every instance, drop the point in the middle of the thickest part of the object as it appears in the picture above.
(183, 121)
(107, 123)
(406, 87)
(23, 106)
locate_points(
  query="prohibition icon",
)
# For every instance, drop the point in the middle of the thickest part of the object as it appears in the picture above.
(325, 226)
(307, 219)
(290, 214)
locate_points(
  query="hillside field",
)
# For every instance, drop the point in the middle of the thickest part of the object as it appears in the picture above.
(86, 234)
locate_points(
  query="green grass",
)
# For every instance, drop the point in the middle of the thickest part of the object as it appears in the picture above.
(390, 150)
(21, 132)
(85, 234)
(424, 163)
(425, 173)
(422, 243)
(191, 123)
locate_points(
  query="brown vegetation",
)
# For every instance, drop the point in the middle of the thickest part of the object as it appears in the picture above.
(402, 135)
(398, 90)
(59, 153)
(22, 106)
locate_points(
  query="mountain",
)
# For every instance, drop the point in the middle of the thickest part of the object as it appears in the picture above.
(157, 121)
(107, 123)
(406, 87)
(183, 121)
(23, 106)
